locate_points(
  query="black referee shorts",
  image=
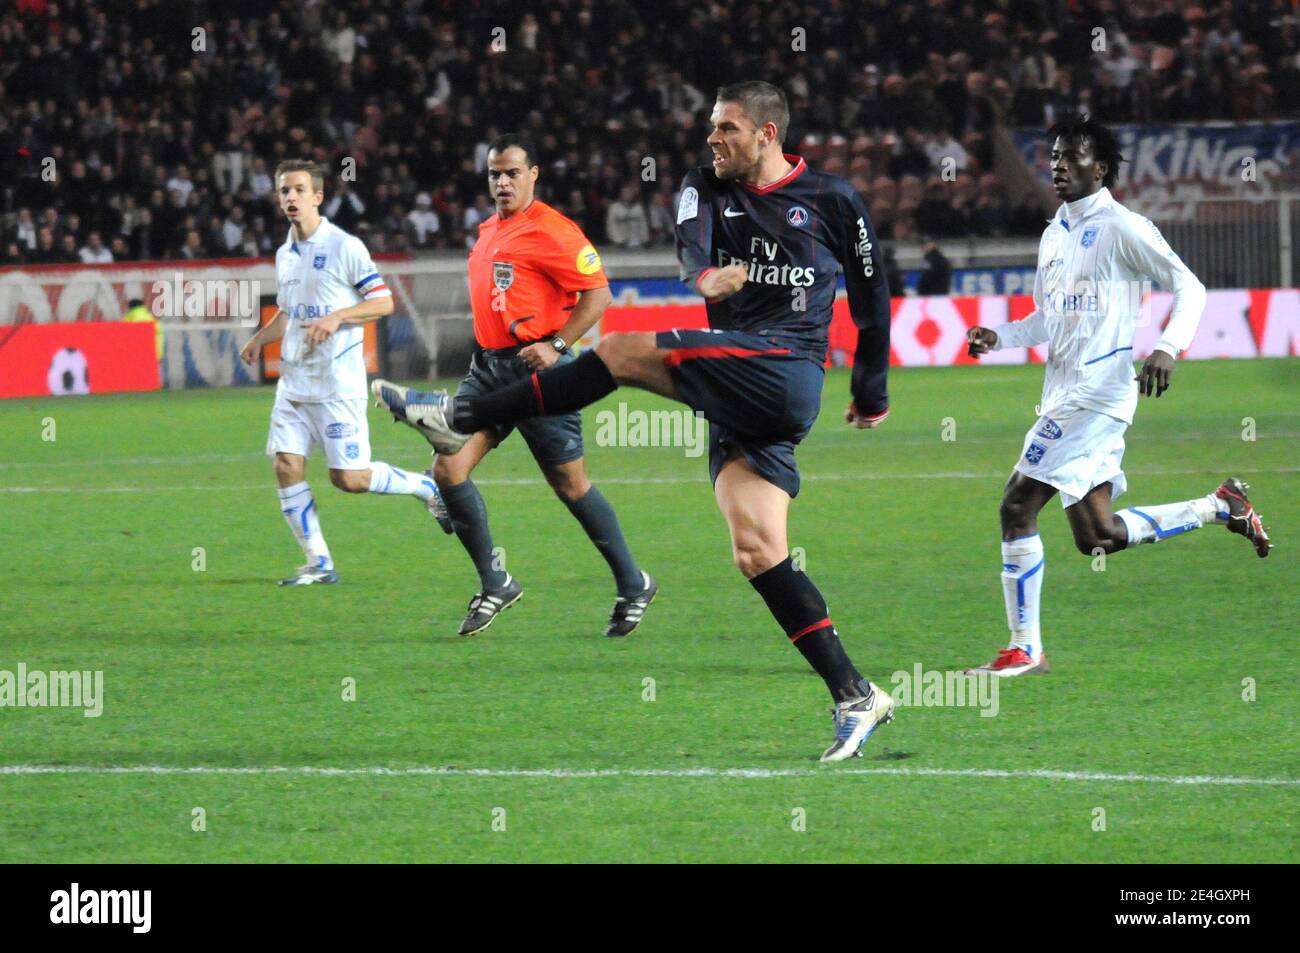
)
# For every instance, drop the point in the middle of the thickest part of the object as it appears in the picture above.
(552, 440)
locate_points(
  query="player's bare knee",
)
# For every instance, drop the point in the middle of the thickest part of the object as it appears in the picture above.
(288, 472)
(569, 485)
(351, 481)
(1098, 540)
(613, 350)
(1017, 517)
(448, 472)
(754, 554)
(574, 490)
(752, 562)
(623, 354)
(1087, 543)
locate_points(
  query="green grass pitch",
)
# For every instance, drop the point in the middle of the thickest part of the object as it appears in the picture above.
(221, 669)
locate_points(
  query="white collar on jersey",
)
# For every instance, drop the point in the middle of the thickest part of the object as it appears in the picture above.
(1082, 208)
(321, 233)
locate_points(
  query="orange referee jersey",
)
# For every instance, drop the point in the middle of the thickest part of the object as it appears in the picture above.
(525, 274)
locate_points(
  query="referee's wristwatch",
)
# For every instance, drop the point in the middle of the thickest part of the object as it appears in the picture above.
(561, 348)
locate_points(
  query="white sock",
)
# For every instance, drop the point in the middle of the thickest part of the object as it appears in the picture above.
(391, 480)
(1151, 524)
(1022, 584)
(299, 509)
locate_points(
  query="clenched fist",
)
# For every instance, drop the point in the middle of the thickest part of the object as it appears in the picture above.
(722, 283)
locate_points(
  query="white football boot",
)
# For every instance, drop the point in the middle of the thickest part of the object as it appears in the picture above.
(427, 411)
(856, 720)
(311, 576)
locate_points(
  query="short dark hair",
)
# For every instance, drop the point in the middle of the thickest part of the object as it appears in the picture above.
(302, 165)
(1105, 146)
(762, 103)
(516, 140)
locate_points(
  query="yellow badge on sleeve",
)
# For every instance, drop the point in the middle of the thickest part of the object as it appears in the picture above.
(588, 260)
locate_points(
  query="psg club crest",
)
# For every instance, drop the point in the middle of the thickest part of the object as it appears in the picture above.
(1050, 430)
(318, 262)
(1035, 452)
(503, 275)
(797, 216)
(1089, 237)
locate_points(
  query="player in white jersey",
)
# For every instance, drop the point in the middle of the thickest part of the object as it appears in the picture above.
(1093, 260)
(328, 288)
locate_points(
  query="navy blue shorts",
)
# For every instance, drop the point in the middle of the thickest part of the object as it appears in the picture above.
(758, 396)
(553, 440)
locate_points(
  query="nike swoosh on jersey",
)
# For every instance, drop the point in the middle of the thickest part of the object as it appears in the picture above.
(730, 212)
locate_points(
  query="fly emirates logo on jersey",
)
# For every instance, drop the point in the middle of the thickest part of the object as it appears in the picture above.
(768, 272)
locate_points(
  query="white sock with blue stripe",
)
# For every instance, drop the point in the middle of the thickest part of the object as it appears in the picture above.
(299, 509)
(1151, 524)
(391, 480)
(1022, 584)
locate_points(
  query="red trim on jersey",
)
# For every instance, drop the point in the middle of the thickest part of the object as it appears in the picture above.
(677, 355)
(800, 167)
(812, 628)
(537, 389)
(379, 287)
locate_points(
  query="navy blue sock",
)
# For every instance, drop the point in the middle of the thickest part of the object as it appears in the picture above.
(801, 611)
(597, 518)
(560, 389)
(469, 518)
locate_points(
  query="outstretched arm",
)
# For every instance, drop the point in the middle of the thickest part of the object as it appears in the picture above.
(1024, 333)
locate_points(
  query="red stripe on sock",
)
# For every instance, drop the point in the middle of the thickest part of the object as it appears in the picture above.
(537, 389)
(812, 628)
(677, 355)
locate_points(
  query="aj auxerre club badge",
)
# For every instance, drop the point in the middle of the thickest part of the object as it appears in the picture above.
(503, 274)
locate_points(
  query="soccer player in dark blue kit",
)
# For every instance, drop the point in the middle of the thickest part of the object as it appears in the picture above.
(760, 236)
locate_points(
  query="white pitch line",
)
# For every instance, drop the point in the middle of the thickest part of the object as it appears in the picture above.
(700, 478)
(387, 449)
(1036, 774)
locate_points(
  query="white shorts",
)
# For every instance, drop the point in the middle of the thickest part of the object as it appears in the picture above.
(339, 426)
(1075, 452)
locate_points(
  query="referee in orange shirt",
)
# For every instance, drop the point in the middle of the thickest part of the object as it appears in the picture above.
(536, 286)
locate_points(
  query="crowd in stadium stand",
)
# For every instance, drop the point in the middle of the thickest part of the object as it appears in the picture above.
(165, 118)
